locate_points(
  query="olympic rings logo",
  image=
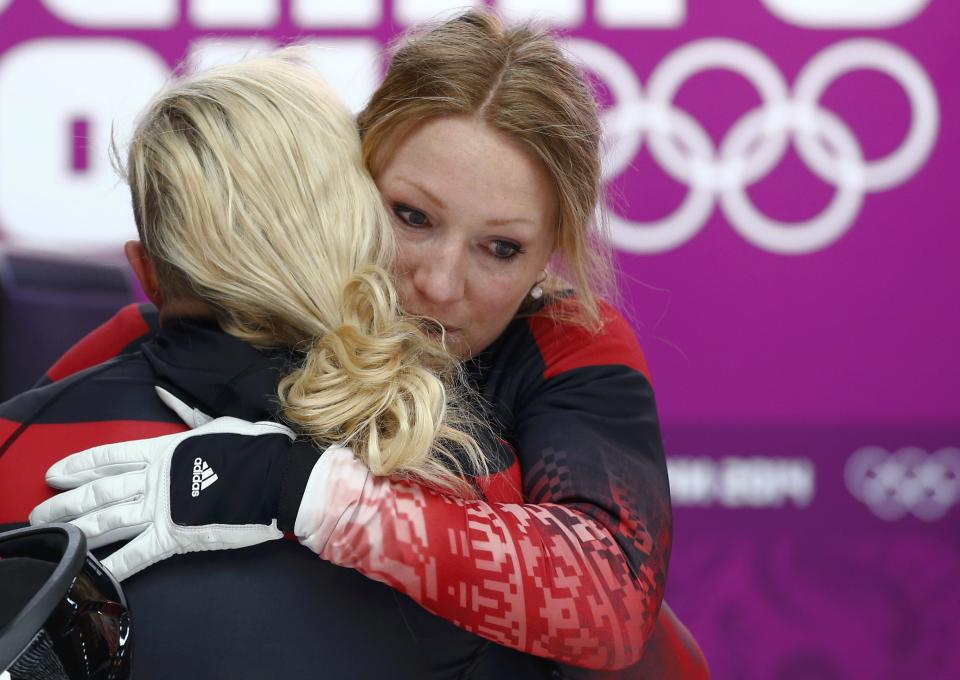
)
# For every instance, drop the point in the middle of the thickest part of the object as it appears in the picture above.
(907, 481)
(757, 142)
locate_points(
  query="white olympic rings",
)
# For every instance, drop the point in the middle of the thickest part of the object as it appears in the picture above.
(757, 142)
(910, 480)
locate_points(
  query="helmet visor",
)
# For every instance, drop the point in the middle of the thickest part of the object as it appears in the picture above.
(62, 615)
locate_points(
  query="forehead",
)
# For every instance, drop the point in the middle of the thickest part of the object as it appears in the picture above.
(466, 162)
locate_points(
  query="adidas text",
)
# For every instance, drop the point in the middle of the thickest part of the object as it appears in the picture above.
(203, 476)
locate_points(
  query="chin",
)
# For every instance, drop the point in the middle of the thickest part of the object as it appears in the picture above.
(459, 347)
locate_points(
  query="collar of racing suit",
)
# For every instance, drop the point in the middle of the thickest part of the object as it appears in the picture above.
(216, 372)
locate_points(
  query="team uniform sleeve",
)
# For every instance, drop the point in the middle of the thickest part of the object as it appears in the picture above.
(542, 579)
(577, 573)
(588, 438)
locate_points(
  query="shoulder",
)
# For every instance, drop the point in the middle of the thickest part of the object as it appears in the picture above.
(565, 345)
(119, 389)
(124, 332)
(111, 402)
(545, 360)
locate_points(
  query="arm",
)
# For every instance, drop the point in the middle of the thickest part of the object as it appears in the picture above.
(578, 576)
(539, 578)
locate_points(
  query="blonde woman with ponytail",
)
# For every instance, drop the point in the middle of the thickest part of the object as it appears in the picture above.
(250, 196)
(484, 141)
(266, 248)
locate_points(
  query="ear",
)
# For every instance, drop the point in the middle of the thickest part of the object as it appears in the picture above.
(146, 273)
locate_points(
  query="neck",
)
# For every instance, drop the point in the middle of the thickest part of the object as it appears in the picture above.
(185, 307)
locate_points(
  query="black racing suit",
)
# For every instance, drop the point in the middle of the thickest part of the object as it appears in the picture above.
(269, 611)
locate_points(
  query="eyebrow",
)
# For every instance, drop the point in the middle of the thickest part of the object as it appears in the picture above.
(422, 189)
(509, 220)
(496, 222)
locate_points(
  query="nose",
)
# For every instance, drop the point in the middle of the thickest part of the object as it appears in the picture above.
(440, 277)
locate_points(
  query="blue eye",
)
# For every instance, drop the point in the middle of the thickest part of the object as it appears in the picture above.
(504, 250)
(411, 216)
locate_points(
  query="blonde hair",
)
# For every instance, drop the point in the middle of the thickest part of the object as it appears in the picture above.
(250, 193)
(518, 81)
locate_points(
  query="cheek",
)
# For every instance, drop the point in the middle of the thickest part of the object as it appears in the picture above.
(500, 300)
(407, 259)
(492, 314)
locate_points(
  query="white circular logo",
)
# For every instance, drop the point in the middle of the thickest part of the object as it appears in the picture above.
(908, 481)
(758, 141)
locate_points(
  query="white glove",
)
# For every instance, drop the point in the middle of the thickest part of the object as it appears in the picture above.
(211, 488)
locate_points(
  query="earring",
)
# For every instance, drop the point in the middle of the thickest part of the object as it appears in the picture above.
(537, 291)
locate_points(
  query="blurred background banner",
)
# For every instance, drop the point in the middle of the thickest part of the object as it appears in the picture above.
(781, 191)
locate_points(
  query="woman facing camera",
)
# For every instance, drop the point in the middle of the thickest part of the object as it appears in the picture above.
(485, 143)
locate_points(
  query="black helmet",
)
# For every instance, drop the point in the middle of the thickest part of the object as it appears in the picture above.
(62, 615)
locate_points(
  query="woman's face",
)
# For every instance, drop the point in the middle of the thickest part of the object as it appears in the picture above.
(475, 218)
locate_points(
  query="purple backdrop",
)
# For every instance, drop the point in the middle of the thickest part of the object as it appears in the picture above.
(781, 192)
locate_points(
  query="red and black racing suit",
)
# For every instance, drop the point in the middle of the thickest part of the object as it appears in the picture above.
(270, 611)
(586, 584)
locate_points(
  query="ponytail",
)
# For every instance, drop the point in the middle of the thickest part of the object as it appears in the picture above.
(378, 383)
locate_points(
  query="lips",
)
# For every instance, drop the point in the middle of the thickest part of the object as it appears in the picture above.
(448, 331)
(431, 322)
(432, 326)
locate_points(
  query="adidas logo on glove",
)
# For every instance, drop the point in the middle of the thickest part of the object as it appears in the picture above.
(203, 476)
